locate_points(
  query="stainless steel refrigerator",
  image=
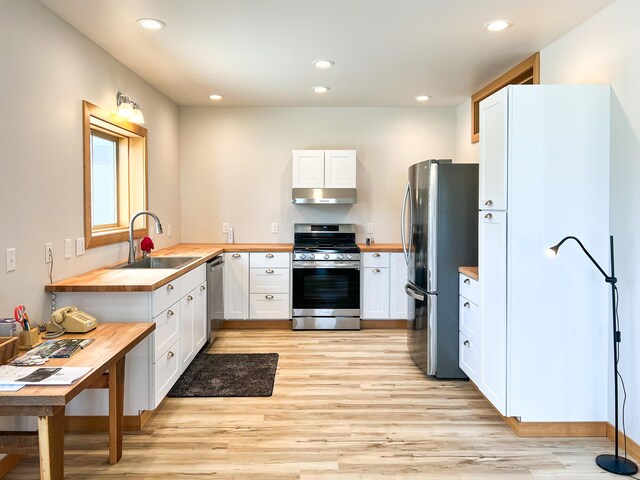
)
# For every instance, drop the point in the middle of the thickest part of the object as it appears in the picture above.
(439, 234)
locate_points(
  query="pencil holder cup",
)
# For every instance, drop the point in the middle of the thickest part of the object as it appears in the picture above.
(29, 338)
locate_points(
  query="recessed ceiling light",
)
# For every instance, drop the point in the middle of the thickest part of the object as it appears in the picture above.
(320, 89)
(422, 98)
(497, 25)
(215, 96)
(151, 23)
(322, 64)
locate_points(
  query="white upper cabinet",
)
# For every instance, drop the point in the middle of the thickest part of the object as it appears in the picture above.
(493, 152)
(308, 168)
(340, 168)
(324, 169)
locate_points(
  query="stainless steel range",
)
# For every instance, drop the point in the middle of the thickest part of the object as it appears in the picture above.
(326, 277)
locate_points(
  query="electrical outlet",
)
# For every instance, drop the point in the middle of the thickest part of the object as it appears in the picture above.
(11, 259)
(275, 227)
(225, 228)
(79, 246)
(369, 227)
(48, 252)
(67, 248)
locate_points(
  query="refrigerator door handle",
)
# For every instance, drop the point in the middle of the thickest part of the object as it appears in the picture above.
(409, 290)
(407, 194)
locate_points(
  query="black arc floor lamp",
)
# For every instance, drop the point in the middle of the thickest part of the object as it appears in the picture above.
(611, 463)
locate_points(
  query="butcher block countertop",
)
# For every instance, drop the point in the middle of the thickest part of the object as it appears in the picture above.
(147, 280)
(381, 247)
(471, 272)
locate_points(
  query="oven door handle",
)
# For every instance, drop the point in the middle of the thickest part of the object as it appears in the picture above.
(326, 264)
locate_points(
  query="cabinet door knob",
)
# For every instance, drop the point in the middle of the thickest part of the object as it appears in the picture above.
(189, 298)
(376, 254)
(170, 355)
(169, 287)
(376, 270)
(269, 255)
(268, 297)
(467, 281)
(489, 203)
(467, 305)
(236, 255)
(466, 343)
(268, 271)
(488, 216)
(169, 313)
(202, 288)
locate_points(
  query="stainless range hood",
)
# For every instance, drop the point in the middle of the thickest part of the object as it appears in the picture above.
(330, 196)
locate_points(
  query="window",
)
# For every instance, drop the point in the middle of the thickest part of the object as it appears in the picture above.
(115, 176)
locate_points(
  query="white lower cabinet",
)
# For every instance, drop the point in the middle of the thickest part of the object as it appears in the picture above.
(236, 286)
(154, 365)
(470, 329)
(269, 285)
(384, 276)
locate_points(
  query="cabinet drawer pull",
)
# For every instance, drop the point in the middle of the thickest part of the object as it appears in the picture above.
(467, 281)
(376, 254)
(488, 216)
(189, 298)
(467, 305)
(170, 313)
(268, 297)
(466, 343)
(236, 255)
(376, 270)
(170, 355)
(202, 288)
(489, 203)
(268, 271)
(269, 255)
(169, 287)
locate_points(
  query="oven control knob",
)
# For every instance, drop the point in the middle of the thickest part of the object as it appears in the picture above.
(303, 256)
(340, 256)
(326, 256)
(349, 256)
(312, 256)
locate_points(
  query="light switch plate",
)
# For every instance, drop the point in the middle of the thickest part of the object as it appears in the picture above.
(79, 246)
(169, 230)
(67, 248)
(369, 227)
(11, 259)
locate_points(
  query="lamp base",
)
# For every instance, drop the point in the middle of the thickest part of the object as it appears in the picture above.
(619, 466)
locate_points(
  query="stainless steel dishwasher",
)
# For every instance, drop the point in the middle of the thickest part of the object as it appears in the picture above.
(215, 300)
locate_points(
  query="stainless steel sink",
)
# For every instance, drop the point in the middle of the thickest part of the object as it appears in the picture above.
(158, 262)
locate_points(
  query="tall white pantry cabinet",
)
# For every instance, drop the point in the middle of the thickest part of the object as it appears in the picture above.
(544, 174)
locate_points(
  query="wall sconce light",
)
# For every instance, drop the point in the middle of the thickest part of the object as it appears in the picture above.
(129, 109)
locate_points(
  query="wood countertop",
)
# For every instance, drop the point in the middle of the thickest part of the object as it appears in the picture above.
(471, 272)
(146, 280)
(381, 247)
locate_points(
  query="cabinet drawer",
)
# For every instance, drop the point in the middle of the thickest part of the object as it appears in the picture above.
(166, 372)
(375, 259)
(470, 319)
(265, 306)
(269, 259)
(269, 280)
(469, 358)
(469, 289)
(167, 330)
(165, 296)
(192, 279)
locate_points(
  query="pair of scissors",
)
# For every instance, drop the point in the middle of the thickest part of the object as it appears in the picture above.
(20, 314)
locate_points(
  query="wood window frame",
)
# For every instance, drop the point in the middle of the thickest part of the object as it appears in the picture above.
(525, 73)
(136, 146)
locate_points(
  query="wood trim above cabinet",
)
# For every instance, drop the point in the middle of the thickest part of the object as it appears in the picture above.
(525, 73)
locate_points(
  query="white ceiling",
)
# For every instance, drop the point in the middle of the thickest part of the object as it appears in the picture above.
(259, 52)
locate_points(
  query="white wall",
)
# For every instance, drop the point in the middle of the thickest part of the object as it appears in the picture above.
(48, 68)
(604, 49)
(236, 166)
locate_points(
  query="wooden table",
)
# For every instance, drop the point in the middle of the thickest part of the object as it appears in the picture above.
(105, 354)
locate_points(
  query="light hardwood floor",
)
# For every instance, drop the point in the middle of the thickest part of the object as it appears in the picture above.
(346, 406)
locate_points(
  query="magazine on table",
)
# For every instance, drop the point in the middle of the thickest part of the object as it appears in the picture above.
(41, 375)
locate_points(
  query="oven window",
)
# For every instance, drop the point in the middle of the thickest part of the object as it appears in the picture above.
(329, 288)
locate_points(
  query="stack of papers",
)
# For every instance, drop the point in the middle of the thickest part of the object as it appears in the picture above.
(12, 377)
